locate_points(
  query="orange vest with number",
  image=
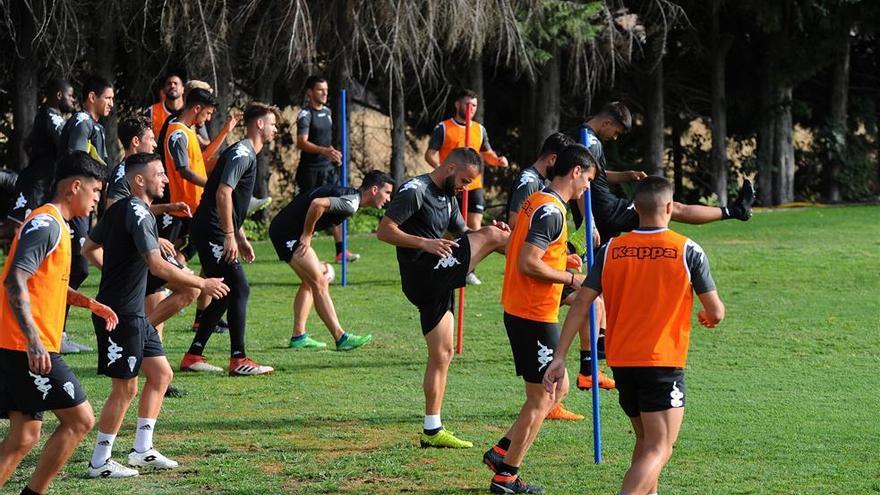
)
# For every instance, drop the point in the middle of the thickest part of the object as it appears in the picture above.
(454, 137)
(158, 114)
(648, 299)
(525, 296)
(47, 289)
(179, 188)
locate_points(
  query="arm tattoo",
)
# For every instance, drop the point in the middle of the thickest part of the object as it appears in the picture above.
(78, 299)
(20, 302)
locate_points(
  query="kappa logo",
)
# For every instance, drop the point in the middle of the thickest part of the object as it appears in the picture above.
(57, 121)
(675, 396)
(131, 362)
(38, 222)
(42, 384)
(592, 140)
(216, 251)
(140, 212)
(176, 138)
(291, 243)
(643, 252)
(166, 220)
(120, 172)
(549, 209)
(68, 387)
(303, 113)
(545, 355)
(412, 184)
(20, 202)
(114, 352)
(525, 179)
(447, 262)
(81, 117)
(241, 151)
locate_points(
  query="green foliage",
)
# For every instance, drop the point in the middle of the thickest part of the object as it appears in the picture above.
(366, 220)
(256, 231)
(560, 23)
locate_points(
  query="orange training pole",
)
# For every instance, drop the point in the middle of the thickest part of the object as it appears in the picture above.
(464, 213)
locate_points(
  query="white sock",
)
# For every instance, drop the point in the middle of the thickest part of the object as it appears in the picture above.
(143, 437)
(432, 422)
(103, 449)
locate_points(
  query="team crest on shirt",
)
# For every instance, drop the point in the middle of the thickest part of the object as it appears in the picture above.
(216, 250)
(42, 384)
(68, 387)
(140, 212)
(675, 396)
(411, 184)
(120, 172)
(545, 356)
(114, 352)
(131, 362)
(38, 222)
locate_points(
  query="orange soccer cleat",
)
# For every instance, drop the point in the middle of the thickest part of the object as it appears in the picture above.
(585, 382)
(561, 413)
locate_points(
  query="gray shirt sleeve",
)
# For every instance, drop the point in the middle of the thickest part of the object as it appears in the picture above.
(239, 163)
(456, 222)
(303, 122)
(38, 238)
(141, 225)
(527, 185)
(437, 137)
(177, 146)
(344, 205)
(484, 143)
(546, 226)
(406, 202)
(698, 267)
(594, 275)
(78, 139)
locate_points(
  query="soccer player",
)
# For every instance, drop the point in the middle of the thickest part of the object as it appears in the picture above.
(649, 278)
(450, 134)
(291, 232)
(158, 112)
(34, 184)
(33, 376)
(534, 274)
(318, 159)
(124, 245)
(431, 266)
(220, 239)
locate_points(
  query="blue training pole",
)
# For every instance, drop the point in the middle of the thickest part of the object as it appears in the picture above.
(343, 143)
(594, 352)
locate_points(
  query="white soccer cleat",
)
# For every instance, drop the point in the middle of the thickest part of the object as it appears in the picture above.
(151, 458)
(247, 367)
(191, 362)
(472, 279)
(112, 469)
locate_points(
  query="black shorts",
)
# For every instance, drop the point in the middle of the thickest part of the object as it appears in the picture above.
(649, 389)
(623, 219)
(308, 178)
(284, 242)
(122, 350)
(23, 391)
(476, 201)
(429, 282)
(533, 344)
(156, 284)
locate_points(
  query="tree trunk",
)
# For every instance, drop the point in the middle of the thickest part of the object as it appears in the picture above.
(837, 119)
(653, 164)
(104, 44)
(718, 159)
(341, 75)
(766, 135)
(546, 94)
(783, 147)
(678, 158)
(24, 106)
(398, 130)
(265, 92)
(474, 81)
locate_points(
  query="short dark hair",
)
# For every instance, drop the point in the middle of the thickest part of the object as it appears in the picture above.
(199, 96)
(95, 84)
(465, 93)
(573, 155)
(80, 164)
(652, 193)
(132, 128)
(618, 112)
(376, 178)
(257, 110)
(170, 75)
(311, 81)
(465, 156)
(136, 163)
(55, 85)
(555, 143)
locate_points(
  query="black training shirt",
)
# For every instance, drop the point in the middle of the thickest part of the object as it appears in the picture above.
(237, 168)
(289, 223)
(317, 125)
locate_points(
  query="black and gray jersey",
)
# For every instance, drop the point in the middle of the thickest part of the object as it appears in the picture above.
(422, 209)
(83, 133)
(118, 186)
(127, 233)
(317, 125)
(528, 182)
(289, 223)
(237, 168)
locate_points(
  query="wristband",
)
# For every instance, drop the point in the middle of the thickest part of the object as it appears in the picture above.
(572, 280)
(231, 232)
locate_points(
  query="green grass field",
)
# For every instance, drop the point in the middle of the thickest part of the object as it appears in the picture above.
(782, 396)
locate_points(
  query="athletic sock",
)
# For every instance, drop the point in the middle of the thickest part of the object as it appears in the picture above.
(143, 438)
(342, 338)
(586, 368)
(28, 491)
(297, 338)
(433, 425)
(725, 213)
(198, 317)
(507, 470)
(338, 248)
(504, 443)
(103, 449)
